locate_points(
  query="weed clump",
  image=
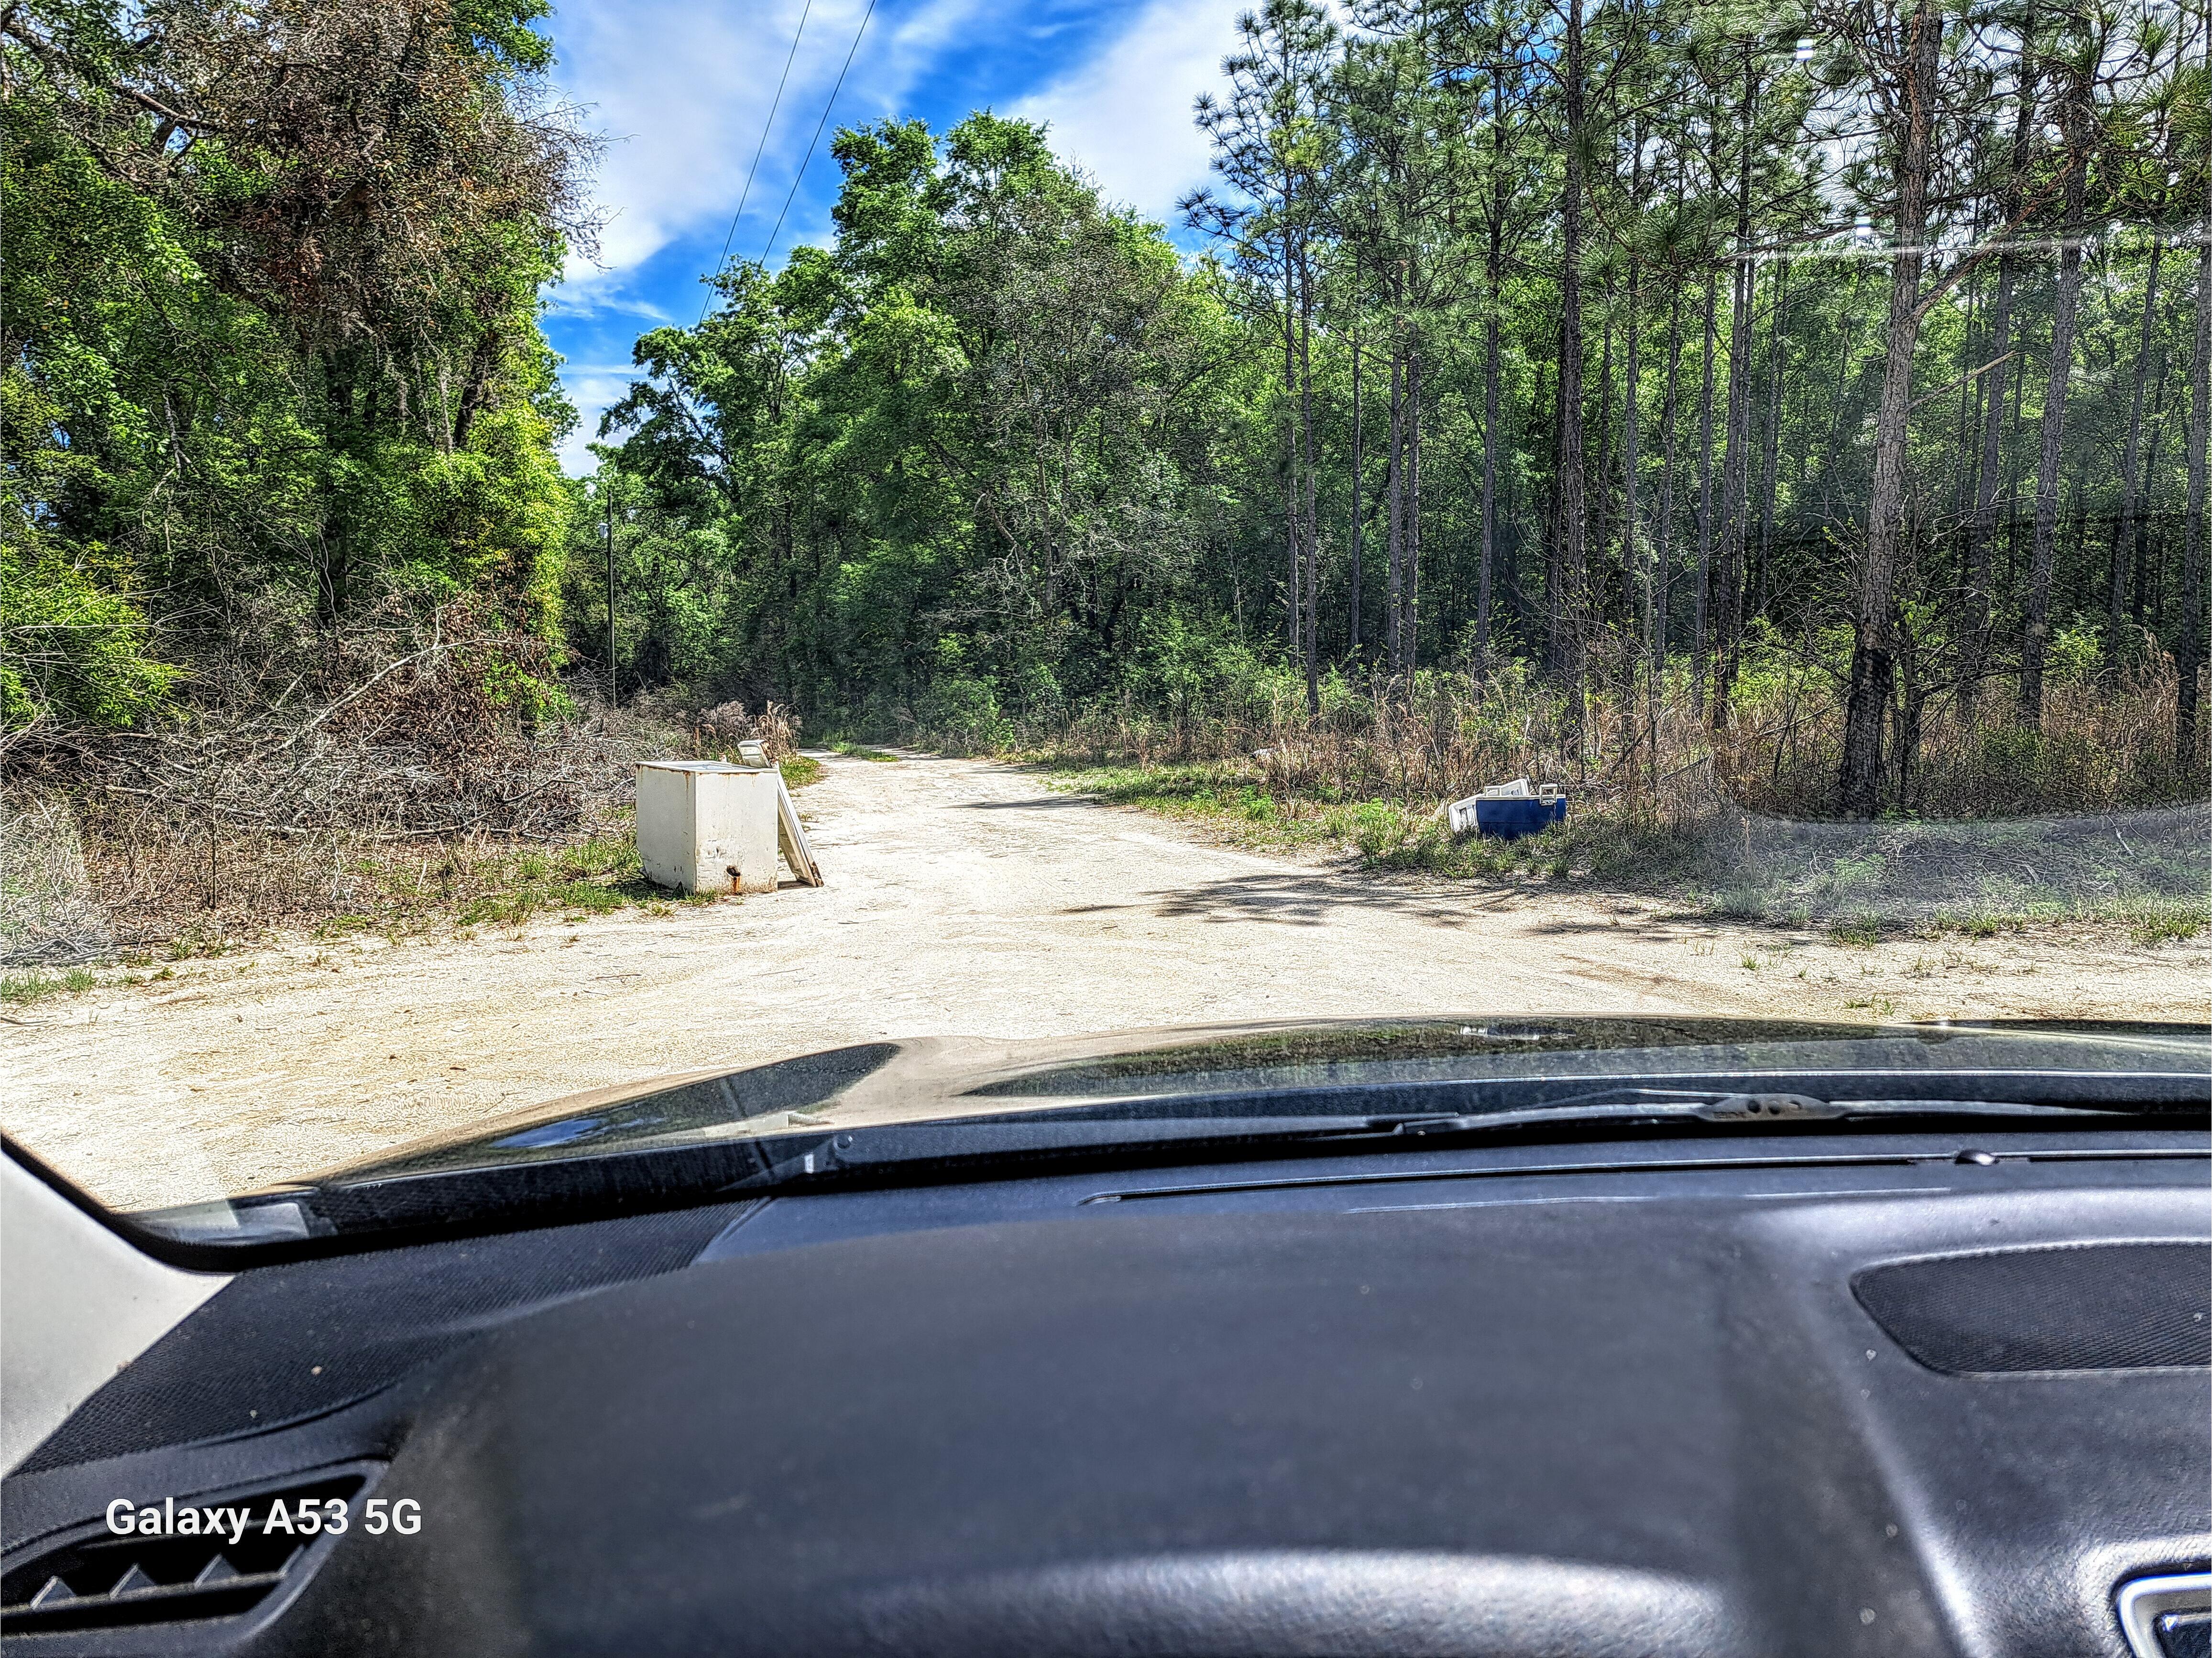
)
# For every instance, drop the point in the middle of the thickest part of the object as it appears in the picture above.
(22, 988)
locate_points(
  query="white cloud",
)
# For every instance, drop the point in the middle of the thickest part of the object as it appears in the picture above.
(593, 388)
(681, 89)
(1126, 114)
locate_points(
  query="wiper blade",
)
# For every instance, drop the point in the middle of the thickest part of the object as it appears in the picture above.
(1676, 1105)
(985, 1140)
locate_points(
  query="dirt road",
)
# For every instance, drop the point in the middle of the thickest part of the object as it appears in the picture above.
(964, 898)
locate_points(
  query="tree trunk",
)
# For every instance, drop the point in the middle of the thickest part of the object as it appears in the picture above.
(1397, 494)
(1294, 605)
(1990, 477)
(1573, 521)
(1702, 611)
(2189, 656)
(1359, 474)
(1312, 642)
(1490, 345)
(2128, 533)
(1874, 665)
(2139, 606)
(1601, 471)
(1769, 483)
(2036, 635)
(1493, 280)
(1409, 629)
(1735, 464)
(1662, 593)
(1633, 566)
(1555, 569)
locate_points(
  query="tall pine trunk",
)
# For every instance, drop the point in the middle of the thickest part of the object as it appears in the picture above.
(1700, 621)
(1573, 514)
(1358, 476)
(1874, 660)
(1633, 567)
(1490, 347)
(2035, 638)
(2128, 533)
(1409, 628)
(2189, 657)
(1771, 466)
(1663, 576)
(1990, 476)
(2139, 601)
(1312, 642)
(1397, 497)
(1493, 278)
(1735, 462)
(1293, 606)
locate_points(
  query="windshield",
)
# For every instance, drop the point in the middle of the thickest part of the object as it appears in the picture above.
(1301, 568)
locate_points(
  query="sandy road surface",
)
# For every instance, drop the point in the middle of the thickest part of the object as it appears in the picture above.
(964, 898)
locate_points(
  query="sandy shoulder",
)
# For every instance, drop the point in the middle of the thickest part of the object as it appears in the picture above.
(964, 898)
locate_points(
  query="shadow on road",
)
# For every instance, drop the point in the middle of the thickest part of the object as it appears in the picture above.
(1298, 899)
(1055, 801)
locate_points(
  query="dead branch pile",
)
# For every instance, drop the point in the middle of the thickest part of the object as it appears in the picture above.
(297, 777)
(721, 728)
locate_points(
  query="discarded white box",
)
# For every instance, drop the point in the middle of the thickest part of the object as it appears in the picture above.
(707, 826)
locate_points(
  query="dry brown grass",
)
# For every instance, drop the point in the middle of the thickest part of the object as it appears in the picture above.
(2105, 744)
(409, 775)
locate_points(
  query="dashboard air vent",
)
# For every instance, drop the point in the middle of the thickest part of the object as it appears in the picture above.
(236, 1551)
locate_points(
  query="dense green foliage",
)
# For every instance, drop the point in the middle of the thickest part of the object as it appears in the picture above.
(1833, 378)
(269, 354)
(1531, 332)
(974, 452)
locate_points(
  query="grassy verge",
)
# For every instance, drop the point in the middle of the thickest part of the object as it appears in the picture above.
(859, 751)
(1843, 891)
(20, 989)
(454, 888)
(1229, 800)
(457, 886)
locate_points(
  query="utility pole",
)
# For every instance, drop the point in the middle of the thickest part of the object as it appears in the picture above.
(606, 495)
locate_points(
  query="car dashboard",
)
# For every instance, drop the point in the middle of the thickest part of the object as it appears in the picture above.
(1836, 1394)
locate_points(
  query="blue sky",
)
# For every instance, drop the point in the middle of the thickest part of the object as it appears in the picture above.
(680, 89)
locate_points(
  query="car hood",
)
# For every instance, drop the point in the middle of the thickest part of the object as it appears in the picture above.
(1176, 1071)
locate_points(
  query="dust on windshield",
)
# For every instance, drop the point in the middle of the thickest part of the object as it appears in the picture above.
(616, 567)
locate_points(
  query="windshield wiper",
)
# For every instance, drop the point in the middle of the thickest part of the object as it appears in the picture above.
(972, 1141)
(1694, 1105)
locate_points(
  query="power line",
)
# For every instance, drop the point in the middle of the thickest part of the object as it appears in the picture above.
(827, 106)
(775, 104)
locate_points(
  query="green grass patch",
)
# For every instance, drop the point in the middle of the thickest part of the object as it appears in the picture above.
(1597, 849)
(858, 751)
(1219, 797)
(1605, 850)
(592, 877)
(1224, 797)
(24, 987)
(2167, 920)
(801, 770)
(196, 940)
